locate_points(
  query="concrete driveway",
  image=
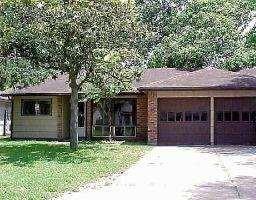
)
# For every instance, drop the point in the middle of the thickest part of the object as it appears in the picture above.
(173, 173)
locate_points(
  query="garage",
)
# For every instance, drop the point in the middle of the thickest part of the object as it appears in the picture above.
(183, 121)
(235, 121)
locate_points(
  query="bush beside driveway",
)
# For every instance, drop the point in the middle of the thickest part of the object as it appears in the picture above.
(41, 170)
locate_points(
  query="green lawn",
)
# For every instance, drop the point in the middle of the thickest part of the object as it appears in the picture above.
(41, 170)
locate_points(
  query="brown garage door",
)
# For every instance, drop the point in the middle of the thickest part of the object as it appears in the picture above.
(235, 120)
(183, 121)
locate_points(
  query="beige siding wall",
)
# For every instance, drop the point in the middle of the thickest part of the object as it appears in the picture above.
(52, 127)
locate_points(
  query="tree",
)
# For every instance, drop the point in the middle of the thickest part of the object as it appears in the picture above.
(79, 38)
(17, 73)
(194, 34)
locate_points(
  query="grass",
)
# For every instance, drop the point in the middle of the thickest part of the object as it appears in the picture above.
(42, 170)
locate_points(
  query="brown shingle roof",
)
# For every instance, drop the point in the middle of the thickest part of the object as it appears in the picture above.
(248, 71)
(157, 74)
(58, 86)
(208, 78)
(161, 79)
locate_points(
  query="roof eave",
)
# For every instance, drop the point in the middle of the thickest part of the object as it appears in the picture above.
(194, 88)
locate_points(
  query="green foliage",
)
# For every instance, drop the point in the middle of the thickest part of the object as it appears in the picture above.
(74, 38)
(18, 72)
(112, 76)
(251, 40)
(40, 170)
(198, 33)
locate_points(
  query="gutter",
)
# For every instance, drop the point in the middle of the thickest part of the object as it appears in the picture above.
(193, 88)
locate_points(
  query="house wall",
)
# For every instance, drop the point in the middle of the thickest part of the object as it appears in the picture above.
(46, 127)
(142, 117)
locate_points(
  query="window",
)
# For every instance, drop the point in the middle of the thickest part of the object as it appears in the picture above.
(28, 107)
(235, 116)
(44, 107)
(171, 116)
(227, 116)
(220, 116)
(179, 117)
(99, 117)
(122, 115)
(163, 116)
(245, 116)
(253, 116)
(188, 116)
(36, 107)
(204, 116)
(80, 114)
(196, 116)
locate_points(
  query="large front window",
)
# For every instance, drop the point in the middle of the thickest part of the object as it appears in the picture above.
(36, 107)
(121, 116)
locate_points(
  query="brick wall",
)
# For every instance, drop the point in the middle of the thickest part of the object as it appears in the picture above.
(152, 118)
(88, 119)
(142, 117)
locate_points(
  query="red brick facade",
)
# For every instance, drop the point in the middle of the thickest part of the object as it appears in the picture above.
(142, 117)
(152, 118)
(88, 119)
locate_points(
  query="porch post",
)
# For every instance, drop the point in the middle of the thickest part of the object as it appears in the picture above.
(212, 120)
(152, 118)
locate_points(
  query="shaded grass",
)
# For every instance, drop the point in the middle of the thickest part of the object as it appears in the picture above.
(41, 170)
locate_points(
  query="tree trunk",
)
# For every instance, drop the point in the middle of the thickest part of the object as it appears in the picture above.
(73, 112)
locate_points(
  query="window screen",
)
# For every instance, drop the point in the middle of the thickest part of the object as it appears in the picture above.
(253, 116)
(227, 116)
(245, 116)
(188, 116)
(163, 116)
(220, 116)
(171, 116)
(179, 117)
(235, 116)
(196, 116)
(204, 116)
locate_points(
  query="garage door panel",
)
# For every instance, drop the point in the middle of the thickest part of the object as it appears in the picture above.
(185, 132)
(235, 132)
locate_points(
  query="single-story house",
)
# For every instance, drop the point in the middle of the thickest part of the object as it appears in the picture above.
(167, 107)
(5, 115)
